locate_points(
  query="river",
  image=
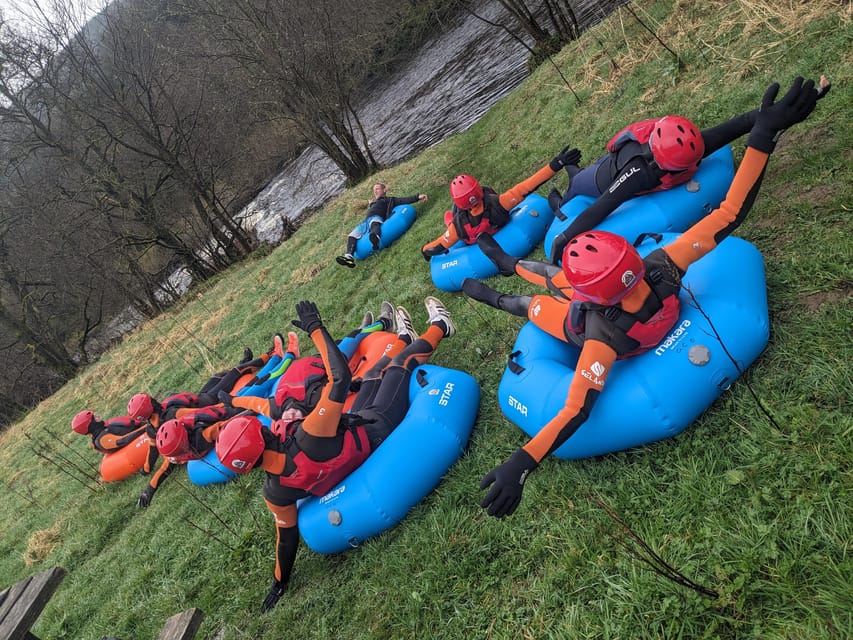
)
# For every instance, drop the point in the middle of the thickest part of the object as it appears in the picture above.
(450, 83)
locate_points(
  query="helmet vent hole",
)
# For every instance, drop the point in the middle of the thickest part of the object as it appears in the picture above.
(591, 248)
(680, 128)
(573, 253)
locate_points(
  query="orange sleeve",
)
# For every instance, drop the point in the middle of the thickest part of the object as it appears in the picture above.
(594, 364)
(516, 194)
(252, 403)
(706, 234)
(324, 418)
(446, 240)
(160, 474)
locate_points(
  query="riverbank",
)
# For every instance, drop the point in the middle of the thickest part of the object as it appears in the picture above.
(751, 508)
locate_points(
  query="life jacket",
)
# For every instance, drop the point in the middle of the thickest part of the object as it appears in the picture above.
(297, 378)
(318, 477)
(640, 132)
(469, 226)
(645, 335)
(169, 406)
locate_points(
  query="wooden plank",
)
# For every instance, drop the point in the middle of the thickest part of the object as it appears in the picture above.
(182, 626)
(22, 603)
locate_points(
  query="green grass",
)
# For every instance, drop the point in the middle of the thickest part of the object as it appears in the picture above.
(754, 509)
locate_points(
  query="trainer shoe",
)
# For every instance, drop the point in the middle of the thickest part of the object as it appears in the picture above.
(248, 356)
(374, 241)
(367, 320)
(277, 346)
(438, 314)
(386, 316)
(405, 326)
(346, 260)
(293, 344)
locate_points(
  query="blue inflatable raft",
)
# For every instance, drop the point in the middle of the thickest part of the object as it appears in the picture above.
(403, 470)
(527, 226)
(659, 393)
(401, 218)
(673, 210)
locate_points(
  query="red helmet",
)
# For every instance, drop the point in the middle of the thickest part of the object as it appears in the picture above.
(240, 444)
(602, 266)
(676, 143)
(466, 192)
(82, 421)
(172, 438)
(140, 406)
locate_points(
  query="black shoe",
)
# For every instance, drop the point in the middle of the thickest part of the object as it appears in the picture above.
(346, 261)
(554, 201)
(374, 240)
(504, 262)
(481, 292)
(248, 356)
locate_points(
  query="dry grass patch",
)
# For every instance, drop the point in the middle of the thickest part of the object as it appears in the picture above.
(41, 543)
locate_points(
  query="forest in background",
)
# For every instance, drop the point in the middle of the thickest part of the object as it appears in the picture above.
(124, 142)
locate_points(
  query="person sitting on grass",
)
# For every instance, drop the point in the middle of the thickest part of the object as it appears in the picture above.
(378, 211)
(614, 304)
(308, 456)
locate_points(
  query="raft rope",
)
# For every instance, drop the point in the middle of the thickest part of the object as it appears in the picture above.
(740, 371)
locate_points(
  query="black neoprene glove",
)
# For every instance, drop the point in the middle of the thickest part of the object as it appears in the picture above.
(565, 157)
(505, 495)
(434, 251)
(146, 496)
(276, 591)
(309, 317)
(774, 117)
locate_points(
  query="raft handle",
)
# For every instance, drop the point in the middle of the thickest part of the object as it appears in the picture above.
(512, 365)
(421, 378)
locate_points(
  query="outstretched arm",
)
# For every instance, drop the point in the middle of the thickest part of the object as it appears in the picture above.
(507, 480)
(771, 120)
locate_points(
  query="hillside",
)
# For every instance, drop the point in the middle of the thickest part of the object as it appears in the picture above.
(752, 501)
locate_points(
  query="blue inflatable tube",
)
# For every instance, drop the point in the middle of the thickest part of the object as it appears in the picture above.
(659, 393)
(402, 217)
(405, 468)
(527, 226)
(673, 210)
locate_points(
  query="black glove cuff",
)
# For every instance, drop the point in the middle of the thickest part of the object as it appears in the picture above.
(555, 165)
(763, 140)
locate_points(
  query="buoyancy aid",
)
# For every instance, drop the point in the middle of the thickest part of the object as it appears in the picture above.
(296, 380)
(640, 132)
(633, 336)
(120, 426)
(494, 216)
(318, 477)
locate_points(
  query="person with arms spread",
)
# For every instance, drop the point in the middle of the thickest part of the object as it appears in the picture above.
(478, 209)
(614, 304)
(646, 156)
(378, 211)
(309, 456)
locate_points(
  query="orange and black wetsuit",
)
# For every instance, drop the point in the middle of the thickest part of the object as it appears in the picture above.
(115, 433)
(466, 226)
(329, 444)
(203, 426)
(603, 340)
(618, 176)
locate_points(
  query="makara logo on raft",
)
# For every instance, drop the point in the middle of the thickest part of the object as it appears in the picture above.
(334, 493)
(673, 338)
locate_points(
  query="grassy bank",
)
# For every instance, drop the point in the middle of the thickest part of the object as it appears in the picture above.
(754, 509)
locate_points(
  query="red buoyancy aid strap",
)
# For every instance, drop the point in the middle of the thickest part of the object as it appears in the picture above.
(635, 132)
